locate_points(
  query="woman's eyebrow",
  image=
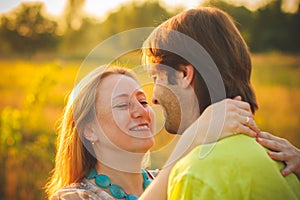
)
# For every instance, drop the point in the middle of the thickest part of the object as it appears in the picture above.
(138, 93)
(120, 95)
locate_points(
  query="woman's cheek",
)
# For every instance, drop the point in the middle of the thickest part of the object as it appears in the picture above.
(121, 118)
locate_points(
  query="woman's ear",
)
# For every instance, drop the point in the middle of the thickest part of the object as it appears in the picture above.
(188, 75)
(89, 133)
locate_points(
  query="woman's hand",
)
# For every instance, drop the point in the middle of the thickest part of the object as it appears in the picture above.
(228, 117)
(240, 118)
(281, 150)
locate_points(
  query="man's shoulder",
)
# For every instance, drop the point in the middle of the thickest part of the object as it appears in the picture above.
(238, 163)
(237, 152)
(234, 147)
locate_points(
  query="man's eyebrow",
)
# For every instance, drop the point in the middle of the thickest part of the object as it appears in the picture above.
(152, 72)
(140, 92)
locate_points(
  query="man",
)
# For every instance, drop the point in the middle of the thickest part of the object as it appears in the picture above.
(187, 79)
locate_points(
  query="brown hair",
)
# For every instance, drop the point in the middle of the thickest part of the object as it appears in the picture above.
(74, 155)
(215, 31)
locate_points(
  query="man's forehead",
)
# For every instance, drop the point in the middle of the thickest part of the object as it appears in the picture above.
(152, 68)
(156, 68)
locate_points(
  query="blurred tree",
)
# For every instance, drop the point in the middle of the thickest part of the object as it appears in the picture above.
(275, 30)
(128, 16)
(73, 14)
(267, 28)
(243, 17)
(78, 43)
(77, 27)
(26, 30)
(135, 15)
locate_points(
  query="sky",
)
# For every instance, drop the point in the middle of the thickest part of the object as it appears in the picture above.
(93, 7)
(100, 9)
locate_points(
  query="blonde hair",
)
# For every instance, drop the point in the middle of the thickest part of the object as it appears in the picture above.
(74, 156)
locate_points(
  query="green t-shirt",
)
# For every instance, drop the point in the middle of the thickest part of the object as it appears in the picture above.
(237, 167)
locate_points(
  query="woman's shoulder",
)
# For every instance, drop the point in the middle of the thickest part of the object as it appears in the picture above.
(81, 191)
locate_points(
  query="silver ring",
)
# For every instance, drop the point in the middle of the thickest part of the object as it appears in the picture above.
(247, 120)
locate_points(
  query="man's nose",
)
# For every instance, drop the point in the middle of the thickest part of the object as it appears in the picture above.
(154, 100)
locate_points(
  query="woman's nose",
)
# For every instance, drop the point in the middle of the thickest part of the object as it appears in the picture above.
(138, 110)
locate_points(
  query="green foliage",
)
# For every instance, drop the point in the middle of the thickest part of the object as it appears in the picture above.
(26, 148)
(276, 30)
(26, 30)
(73, 14)
(266, 29)
(128, 16)
(134, 15)
(87, 37)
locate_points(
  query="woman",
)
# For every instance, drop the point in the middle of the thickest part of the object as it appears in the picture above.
(106, 130)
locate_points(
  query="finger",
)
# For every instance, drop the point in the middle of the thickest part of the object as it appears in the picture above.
(270, 144)
(249, 122)
(287, 170)
(239, 98)
(246, 130)
(244, 113)
(269, 136)
(240, 104)
(252, 125)
(279, 156)
(243, 105)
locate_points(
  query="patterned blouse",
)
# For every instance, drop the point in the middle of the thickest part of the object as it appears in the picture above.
(86, 190)
(81, 191)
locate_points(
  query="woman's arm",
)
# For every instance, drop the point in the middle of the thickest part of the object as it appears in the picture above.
(281, 150)
(219, 120)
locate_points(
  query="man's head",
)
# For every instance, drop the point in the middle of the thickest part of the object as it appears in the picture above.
(215, 31)
(176, 95)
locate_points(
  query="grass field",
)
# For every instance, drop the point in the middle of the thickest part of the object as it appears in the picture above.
(33, 94)
(276, 80)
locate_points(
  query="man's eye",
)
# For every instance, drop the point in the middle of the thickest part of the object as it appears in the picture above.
(154, 78)
(144, 102)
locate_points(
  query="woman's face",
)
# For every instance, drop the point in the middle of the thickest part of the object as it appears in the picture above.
(124, 115)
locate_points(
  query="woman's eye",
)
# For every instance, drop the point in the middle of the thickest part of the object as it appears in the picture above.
(123, 105)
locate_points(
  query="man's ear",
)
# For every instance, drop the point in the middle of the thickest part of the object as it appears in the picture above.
(89, 133)
(188, 75)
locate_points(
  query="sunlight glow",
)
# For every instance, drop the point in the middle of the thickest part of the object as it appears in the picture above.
(100, 9)
(290, 6)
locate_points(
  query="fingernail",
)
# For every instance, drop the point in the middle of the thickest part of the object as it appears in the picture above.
(263, 133)
(270, 153)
